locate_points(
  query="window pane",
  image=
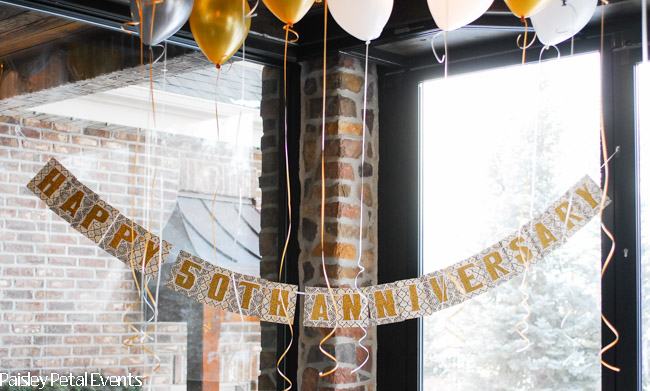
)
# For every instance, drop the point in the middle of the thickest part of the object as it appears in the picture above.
(498, 147)
(643, 99)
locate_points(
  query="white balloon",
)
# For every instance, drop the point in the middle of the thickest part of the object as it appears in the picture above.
(562, 19)
(363, 19)
(454, 14)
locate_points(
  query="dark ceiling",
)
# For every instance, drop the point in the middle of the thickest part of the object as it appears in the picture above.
(406, 36)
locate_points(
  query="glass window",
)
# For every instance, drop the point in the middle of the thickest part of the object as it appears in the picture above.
(498, 147)
(84, 100)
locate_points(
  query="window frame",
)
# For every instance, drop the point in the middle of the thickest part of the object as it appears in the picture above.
(401, 194)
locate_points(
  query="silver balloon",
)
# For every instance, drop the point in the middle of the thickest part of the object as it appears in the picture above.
(168, 18)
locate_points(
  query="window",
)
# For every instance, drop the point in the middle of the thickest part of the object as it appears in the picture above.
(511, 140)
(63, 298)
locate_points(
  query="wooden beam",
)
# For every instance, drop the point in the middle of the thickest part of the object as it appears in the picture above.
(28, 29)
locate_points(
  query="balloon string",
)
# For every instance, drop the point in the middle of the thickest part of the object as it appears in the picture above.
(522, 326)
(442, 59)
(603, 201)
(240, 198)
(364, 298)
(286, 28)
(548, 47)
(139, 3)
(153, 301)
(526, 44)
(207, 325)
(153, 105)
(128, 24)
(322, 210)
(216, 117)
(127, 342)
(523, 53)
(252, 11)
(289, 28)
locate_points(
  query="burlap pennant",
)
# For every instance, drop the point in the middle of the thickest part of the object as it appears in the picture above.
(318, 308)
(279, 298)
(51, 181)
(248, 299)
(186, 273)
(131, 243)
(85, 211)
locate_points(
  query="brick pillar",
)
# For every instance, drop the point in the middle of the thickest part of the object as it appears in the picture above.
(269, 111)
(343, 172)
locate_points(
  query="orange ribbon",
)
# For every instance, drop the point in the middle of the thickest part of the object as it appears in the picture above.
(610, 255)
(287, 28)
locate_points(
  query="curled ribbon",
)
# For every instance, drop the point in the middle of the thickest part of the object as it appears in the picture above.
(128, 341)
(610, 255)
(322, 212)
(526, 45)
(287, 28)
(364, 298)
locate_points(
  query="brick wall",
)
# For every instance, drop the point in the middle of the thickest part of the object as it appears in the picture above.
(343, 171)
(62, 298)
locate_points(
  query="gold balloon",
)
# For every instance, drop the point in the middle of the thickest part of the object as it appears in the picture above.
(289, 11)
(526, 8)
(220, 27)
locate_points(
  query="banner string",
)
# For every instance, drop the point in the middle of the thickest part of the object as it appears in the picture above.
(322, 210)
(603, 139)
(364, 298)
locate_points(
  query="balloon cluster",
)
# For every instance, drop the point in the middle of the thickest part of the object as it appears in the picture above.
(220, 26)
(554, 20)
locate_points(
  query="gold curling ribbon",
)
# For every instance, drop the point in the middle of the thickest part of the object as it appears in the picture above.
(526, 45)
(151, 62)
(322, 210)
(610, 255)
(287, 28)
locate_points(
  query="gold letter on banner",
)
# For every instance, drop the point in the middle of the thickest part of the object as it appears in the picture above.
(249, 296)
(185, 273)
(401, 300)
(144, 250)
(319, 309)
(277, 298)
(73, 201)
(529, 244)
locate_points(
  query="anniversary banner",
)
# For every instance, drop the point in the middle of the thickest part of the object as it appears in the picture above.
(276, 302)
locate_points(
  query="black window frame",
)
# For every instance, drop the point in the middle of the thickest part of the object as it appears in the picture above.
(400, 222)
